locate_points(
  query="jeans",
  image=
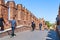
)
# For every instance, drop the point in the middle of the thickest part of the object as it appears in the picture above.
(13, 28)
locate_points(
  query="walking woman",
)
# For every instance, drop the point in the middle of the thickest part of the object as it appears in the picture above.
(1, 23)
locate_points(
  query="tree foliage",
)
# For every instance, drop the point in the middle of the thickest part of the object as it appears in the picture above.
(48, 24)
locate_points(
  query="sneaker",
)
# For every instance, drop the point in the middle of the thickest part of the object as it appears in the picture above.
(14, 34)
(11, 36)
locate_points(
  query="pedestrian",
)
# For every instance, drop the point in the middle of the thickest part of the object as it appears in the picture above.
(33, 25)
(58, 19)
(40, 26)
(13, 26)
(1, 23)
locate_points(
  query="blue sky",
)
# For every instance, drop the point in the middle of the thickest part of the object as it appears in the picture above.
(47, 9)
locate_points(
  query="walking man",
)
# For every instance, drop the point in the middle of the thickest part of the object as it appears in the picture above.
(13, 26)
(33, 25)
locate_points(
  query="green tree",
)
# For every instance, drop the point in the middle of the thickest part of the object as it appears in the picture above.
(48, 24)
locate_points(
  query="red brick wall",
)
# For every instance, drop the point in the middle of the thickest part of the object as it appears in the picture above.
(23, 16)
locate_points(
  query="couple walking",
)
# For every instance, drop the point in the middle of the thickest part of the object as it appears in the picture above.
(33, 25)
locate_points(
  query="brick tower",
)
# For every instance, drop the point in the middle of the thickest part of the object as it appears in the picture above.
(12, 9)
(19, 14)
(4, 10)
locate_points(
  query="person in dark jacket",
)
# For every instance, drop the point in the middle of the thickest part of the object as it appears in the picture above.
(40, 26)
(1, 23)
(33, 25)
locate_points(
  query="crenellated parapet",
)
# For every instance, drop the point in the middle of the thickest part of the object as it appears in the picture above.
(22, 15)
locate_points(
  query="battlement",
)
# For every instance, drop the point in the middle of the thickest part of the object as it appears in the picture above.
(22, 15)
(2, 2)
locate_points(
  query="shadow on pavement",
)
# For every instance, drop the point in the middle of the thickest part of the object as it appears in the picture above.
(52, 35)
